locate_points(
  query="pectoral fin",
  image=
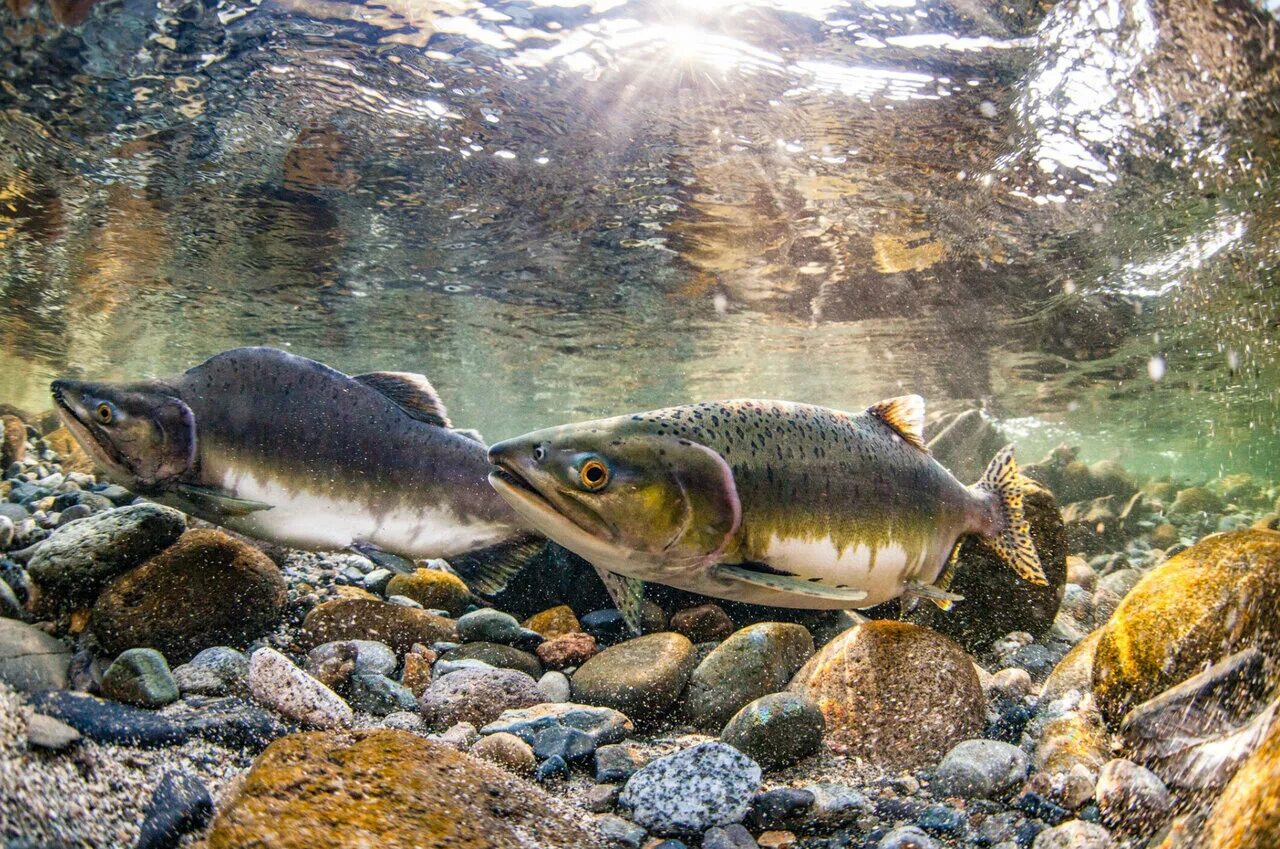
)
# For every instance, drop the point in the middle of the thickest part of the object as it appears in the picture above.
(385, 559)
(489, 570)
(937, 595)
(790, 584)
(627, 594)
(215, 503)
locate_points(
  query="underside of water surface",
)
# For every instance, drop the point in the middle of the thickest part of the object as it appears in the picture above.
(1057, 222)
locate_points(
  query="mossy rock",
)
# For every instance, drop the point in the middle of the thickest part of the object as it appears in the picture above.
(433, 589)
(1216, 598)
(389, 789)
(1247, 814)
(554, 622)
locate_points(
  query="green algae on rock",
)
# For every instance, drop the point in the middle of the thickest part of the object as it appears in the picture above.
(1217, 597)
(390, 789)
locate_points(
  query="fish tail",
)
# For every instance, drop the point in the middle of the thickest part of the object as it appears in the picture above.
(1011, 536)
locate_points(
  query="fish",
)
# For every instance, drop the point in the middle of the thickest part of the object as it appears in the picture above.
(285, 449)
(766, 502)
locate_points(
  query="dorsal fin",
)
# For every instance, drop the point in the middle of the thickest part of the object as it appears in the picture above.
(412, 393)
(905, 414)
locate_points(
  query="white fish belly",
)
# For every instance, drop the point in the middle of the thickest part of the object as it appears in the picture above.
(319, 521)
(882, 573)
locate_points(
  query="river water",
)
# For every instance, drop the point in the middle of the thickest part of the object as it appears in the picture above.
(1067, 214)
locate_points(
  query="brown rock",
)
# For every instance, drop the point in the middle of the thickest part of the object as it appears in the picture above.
(497, 655)
(567, 650)
(416, 674)
(1164, 535)
(13, 443)
(433, 589)
(507, 751)
(895, 694)
(70, 455)
(368, 619)
(390, 789)
(1218, 597)
(554, 622)
(478, 696)
(207, 589)
(706, 623)
(1196, 499)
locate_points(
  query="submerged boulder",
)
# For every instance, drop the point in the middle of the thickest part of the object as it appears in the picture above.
(73, 565)
(1218, 597)
(370, 619)
(895, 694)
(208, 589)
(30, 659)
(1247, 813)
(753, 662)
(390, 789)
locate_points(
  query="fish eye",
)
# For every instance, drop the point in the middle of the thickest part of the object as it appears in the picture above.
(106, 413)
(539, 452)
(594, 475)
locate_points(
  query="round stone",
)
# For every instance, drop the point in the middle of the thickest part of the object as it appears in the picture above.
(433, 589)
(776, 730)
(641, 677)
(688, 792)
(478, 696)
(508, 751)
(983, 769)
(895, 694)
(277, 683)
(140, 677)
(752, 662)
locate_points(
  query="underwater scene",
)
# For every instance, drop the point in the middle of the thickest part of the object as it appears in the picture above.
(640, 424)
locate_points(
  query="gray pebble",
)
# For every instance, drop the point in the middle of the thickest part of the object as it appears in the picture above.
(983, 769)
(690, 791)
(554, 686)
(140, 677)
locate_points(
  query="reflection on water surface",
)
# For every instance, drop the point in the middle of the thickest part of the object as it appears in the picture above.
(560, 210)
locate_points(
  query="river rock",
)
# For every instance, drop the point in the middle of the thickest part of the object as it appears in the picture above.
(554, 622)
(216, 671)
(433, 589)
(711, 784)
(1246, 814)
(49, 733)
(555, 686)
(369, 619)
(604, 725)
(367, 657)
(180, 804)
(30, 659)
(13, 440)
(1070, 733)
(776, 730)
(140, 677)
(907, 837)
(1130, 796)
(1196, 499)
(1076, 834)
(277, 683)
(207, 589)
(506, 750)
(77, 561)
(390, 789)
(982, 769)
(996, 600)
(487, 625)
(753, 662)
(706, 623)
(1218, 597)
(478, 696)
(378, 694)
(496, 655)
(895, 694)
(566, 650)
(642, 677)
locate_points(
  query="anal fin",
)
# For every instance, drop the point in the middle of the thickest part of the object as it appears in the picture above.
(489, 570)
(627, 594)
(935, 594)
(791, 584)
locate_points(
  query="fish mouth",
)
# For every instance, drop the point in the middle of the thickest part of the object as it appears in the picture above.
(556, 520)
(100, 449)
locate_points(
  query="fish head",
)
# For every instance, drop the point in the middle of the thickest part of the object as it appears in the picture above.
(142, 434)
(614, 492)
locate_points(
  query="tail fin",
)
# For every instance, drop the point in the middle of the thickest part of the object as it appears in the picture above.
(1011, 538)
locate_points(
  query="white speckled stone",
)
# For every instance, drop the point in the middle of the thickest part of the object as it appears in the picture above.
(691, 791)
(277, 683)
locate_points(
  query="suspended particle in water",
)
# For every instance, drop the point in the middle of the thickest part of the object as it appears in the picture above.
(987, 109)
(1156, 368)
(721, 302)
(1233, 361)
